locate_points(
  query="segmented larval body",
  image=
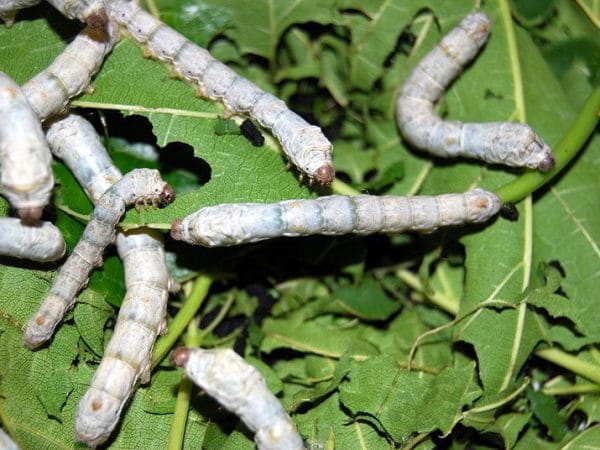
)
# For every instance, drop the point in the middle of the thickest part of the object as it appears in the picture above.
(6, 443)
(9, 8)
(136, 187)
(142, 315)
(512, 144)
(92, 12)
(239, 223)
(38, 242)
(304, 144)
(70, 73)
(240, 388)
(26, 176)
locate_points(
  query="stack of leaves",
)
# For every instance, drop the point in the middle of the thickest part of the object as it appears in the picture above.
(480, 335)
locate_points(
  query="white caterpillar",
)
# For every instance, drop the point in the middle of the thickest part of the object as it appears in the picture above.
(92, 12)
(9, 8)
(25, 161)
(512, 144)
(304, 144)
(240, 388)
(40, 242)
(6, 443)
(239, 223)
(70, 73)
(142, 314)
(138, 186)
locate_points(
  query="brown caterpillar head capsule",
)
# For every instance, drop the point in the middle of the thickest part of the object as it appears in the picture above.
(325, 175)
(97, 19)
(167, 195)
(180, 356)
(547, 163)
(30, 215)
(176, 229)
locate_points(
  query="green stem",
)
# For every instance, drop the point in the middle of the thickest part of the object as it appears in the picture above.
(440, 300)
(572, 363)
(219, 318)
(341, 188)
(588, 388)
(183, 318)
(564, 152)
(184, 395)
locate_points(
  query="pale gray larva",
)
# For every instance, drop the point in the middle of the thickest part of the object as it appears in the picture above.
(142, 315)
(92, 12)
(512, 144)
(139, 185)
(240, 388)
(6, 443)
(70, 73)
(239, 223)
(9, 8)
(26, 176)
(39, 242)
(304, 144)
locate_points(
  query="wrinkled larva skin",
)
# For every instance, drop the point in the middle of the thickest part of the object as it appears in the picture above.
(9, 9)
(511, 144)
(92, 12)
(241, 389)
(141, 318)
(40, 242)
(6, 443)
(26, 176)
(240, 223)
(50, 91)
(140, 186)
(304, 144)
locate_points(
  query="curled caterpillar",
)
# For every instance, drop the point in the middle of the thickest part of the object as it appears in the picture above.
(9, 8)
(512, 144)
(240, 388)
(6, 443)
(240, 223)
(304, 144)
(26, 177)
(39, 242)
(142, 315)
(140, 186)
(92, 12)
(70, 73)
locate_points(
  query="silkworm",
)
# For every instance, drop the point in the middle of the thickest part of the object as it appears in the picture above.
(142, 315)
(92, 12)
(240, 388)
(26, 177)
(140, 186)
(9, 8)
(6, 443)
(41, 242)
(239, 223)
(512, 144)
(70, 73)
(253, 134)
(304, 144)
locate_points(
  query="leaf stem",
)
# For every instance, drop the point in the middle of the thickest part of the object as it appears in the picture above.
(219, 318)
(441, 301)
(588, 388)
(574, 364)
(564, 152)
(183, 318)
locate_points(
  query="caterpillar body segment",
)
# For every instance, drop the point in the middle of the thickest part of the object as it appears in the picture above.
(239, 223)
(91, 12)
(241, 389)
(50, 91)
(9, 9)
(138, 186)
(26, 176)
(304, 144)
(41, 242)
(6, 442)
(512, 144)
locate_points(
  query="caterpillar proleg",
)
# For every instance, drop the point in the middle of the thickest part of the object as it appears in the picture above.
(38, 242)
(240, 388)
(92, 12)
(9, 8)
(239, 223)
(512, 144)
(137, 187)
(142, 315)
(70, 73)
(304, 144)
(26, 176)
